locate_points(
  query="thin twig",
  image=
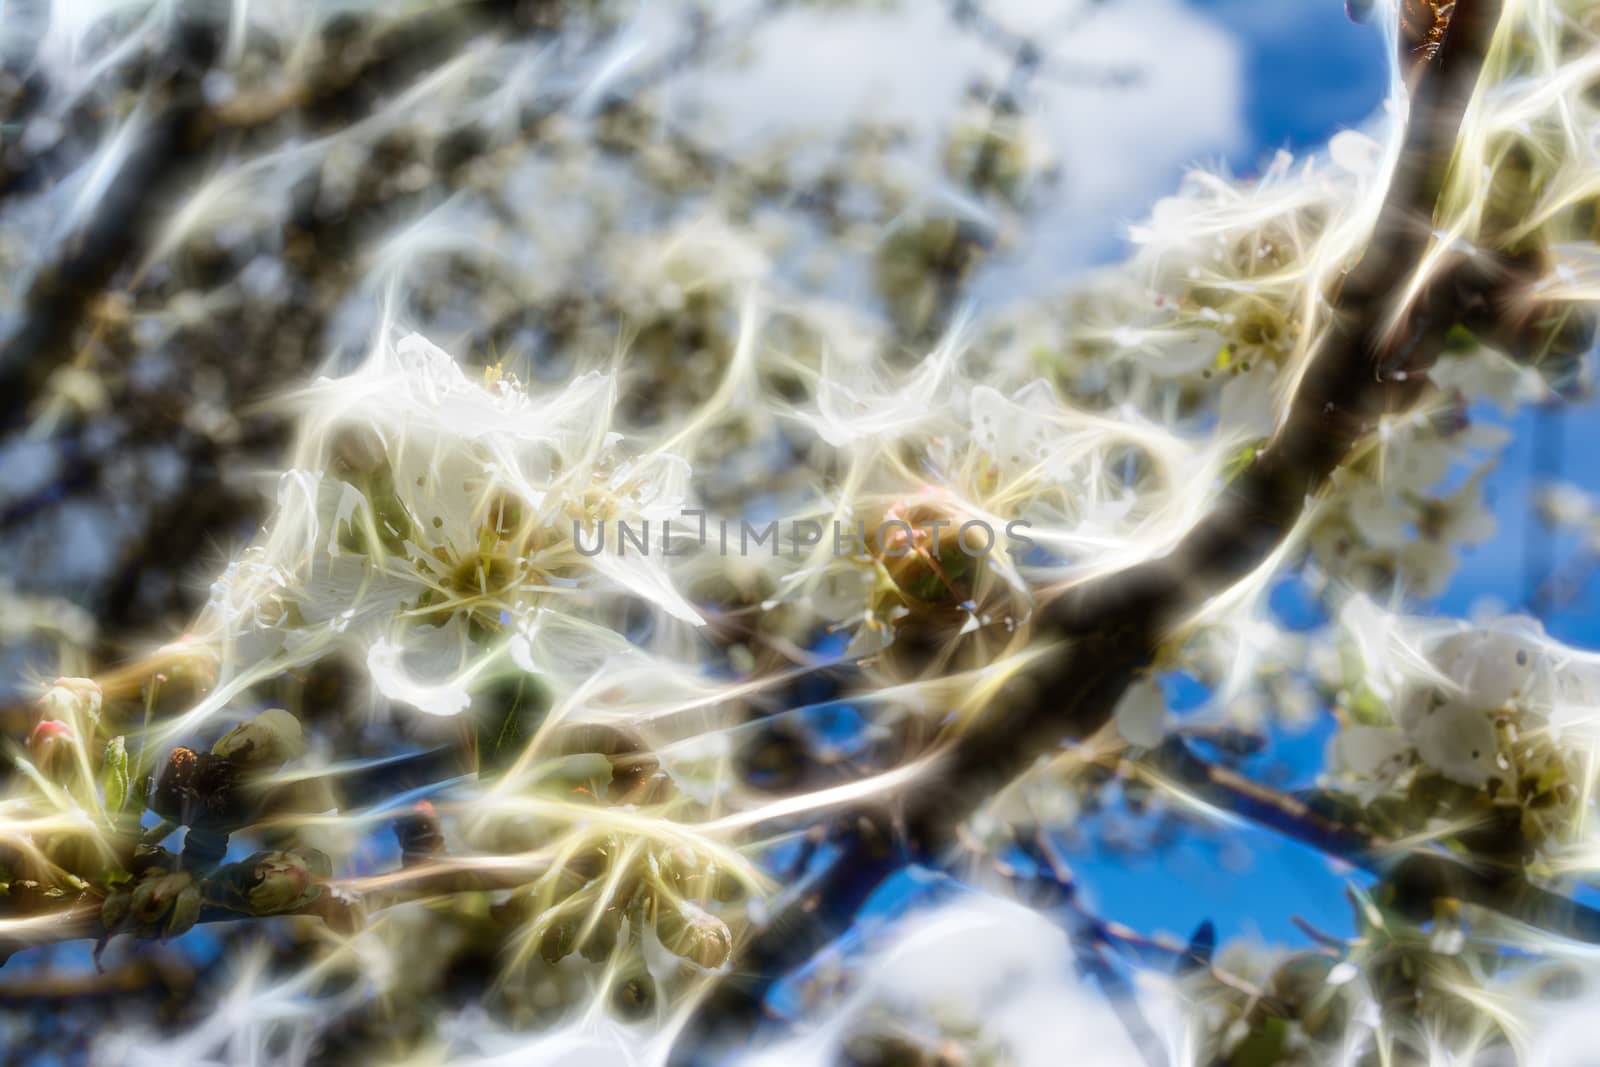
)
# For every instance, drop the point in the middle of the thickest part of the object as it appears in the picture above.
(1422, 875)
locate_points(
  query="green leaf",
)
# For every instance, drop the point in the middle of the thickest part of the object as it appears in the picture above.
(517, 708)
(114, 776)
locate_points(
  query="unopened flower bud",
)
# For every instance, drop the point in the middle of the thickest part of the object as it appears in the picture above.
(634, 994)
(558, 941)
(919, 547)
(419, 835)
(682, 866)
(269, 740)
(72, 700)
(185, 911)
(692, 875)
(50, 747)
(357, 451)
(197, 787)
(189, 666)
(602, 940)
(694, 934)
(156, 893)
(284, 880)
(145, 904)
(115, 908)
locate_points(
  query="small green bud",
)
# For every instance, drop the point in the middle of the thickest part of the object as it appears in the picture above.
(185, 911)
(558, 941)
(270, 883)
(694, 934)
(682, 867)
(602, 940)
(692, 875)
(283, 881)
(146, 904)
(270, 739)
(156, 894)
(115, 908)
(634, 994)
(358, 451)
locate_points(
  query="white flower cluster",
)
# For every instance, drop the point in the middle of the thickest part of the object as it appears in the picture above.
(443, 530)
(426, 524)
(1500, 707)
(1397, 516)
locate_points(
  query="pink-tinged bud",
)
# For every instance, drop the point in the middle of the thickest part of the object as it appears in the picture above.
(283, 881)
(72, 700)
(419, 834)
(50, 747)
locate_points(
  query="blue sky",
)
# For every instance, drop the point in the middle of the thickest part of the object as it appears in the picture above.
(1309, 71)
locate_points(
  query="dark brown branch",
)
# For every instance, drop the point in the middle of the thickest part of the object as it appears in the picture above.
(1113, 626)
(63, 292)
(81, 920)
(1419, 876)
(1362, 371)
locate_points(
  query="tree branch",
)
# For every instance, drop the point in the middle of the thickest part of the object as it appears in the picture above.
(182, 137)
(1422, 875)
(1364, 370)
(1374, 362)
(1367, 367)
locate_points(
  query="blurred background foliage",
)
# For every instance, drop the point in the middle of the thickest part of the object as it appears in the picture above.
(204, 205)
